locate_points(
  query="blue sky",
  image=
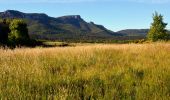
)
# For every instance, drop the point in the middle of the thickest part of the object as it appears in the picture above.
(113, 14)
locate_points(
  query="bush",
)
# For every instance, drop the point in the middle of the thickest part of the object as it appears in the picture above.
(19, 32)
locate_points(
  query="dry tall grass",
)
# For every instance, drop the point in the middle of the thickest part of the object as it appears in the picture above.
(127, 71)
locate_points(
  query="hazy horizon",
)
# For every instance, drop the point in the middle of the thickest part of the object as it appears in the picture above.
(113, 14)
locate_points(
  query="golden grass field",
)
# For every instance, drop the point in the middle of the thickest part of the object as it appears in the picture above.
(90, 72)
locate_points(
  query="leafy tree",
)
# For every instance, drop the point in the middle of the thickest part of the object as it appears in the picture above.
(158, 28)
(19, 32)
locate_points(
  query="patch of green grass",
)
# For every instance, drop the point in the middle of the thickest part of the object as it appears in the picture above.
(49, 43)
(118, 72)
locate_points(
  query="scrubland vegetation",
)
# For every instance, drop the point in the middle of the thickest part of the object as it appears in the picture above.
(103, 72)
(69, 71)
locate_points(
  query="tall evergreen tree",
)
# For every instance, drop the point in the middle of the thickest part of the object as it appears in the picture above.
(158, 28)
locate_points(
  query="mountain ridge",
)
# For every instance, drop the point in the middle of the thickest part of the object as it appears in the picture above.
(42, 26)
(70, 27)
(134, 32)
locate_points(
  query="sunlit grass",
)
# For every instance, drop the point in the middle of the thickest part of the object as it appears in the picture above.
(119, 71)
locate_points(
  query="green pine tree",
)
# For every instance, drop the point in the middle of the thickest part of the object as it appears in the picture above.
(158, 29)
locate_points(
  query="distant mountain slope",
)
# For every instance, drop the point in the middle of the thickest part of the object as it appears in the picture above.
(134, 32)
(41, 26)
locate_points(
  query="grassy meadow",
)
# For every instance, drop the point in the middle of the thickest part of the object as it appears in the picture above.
(90, 72)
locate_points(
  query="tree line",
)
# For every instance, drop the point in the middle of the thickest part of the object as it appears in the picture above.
(14, 32)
